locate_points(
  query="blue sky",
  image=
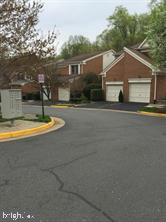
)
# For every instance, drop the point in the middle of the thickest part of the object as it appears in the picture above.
(83, 17)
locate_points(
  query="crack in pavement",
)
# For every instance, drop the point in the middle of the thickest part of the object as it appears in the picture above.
(61, 183)
(71, 161)
(79, 196)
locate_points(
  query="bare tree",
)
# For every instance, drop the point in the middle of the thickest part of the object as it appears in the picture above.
(22, 47)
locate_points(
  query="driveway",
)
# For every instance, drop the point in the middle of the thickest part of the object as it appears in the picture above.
(101, 167)
(133, 107)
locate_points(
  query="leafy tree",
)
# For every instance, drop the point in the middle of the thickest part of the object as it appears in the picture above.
(90, 81)
(96, 95)
(87, 89)
(89, 78)
(123, 30)
(157, 32)
(76, 45)
(22, 48)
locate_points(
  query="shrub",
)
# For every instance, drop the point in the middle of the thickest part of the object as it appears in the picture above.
(75, 94)
(37, 96)
(40, 118)
(32, 96)
(75, 100)
(87, 89)
(83, 98)
(97, 95)
(149, 109)
(121, 99)
(91, 78)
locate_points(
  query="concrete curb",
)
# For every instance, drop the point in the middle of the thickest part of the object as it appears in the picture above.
(27, 132)
(152, 114)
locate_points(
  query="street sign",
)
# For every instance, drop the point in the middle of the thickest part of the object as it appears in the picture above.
(41, 78)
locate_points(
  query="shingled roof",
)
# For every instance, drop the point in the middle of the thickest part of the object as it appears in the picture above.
(77, 59)
(142, 55)
(80, 58)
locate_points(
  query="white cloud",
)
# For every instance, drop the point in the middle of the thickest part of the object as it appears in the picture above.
(85, 17)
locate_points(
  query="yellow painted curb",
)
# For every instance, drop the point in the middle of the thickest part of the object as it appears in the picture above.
(153, 114)
(65, 104)
(58, 106)
(26, 132)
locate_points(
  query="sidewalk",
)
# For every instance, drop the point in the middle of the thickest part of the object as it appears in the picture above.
(18, 125)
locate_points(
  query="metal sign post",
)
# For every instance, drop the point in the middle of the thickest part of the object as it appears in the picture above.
(41, 81)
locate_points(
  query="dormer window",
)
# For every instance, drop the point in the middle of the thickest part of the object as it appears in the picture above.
(75, 69)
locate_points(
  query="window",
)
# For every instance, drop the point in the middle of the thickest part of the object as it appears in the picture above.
(75, 69)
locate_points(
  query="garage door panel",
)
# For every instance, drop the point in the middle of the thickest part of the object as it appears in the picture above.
(112, 92)
(139, 92)
(63, 94)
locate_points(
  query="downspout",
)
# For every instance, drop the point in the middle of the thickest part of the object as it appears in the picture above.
(155, 88)
(102, 82)
(103, 88)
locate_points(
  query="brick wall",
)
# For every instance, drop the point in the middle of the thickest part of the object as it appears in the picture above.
(135, 69)
(63, 70)
(94, 66)
(161, 87)
(30, 88)
(54, 94)
(129, 67)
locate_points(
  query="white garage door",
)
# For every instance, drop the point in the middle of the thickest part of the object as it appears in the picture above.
(139, 92)
(63, 94)
(112, 92)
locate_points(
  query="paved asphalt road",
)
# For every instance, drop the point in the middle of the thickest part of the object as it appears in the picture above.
(103, 166)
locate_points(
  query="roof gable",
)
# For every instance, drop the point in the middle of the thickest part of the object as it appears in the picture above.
(140, 57)
(135, 54)
(117, 60)
(144, 44)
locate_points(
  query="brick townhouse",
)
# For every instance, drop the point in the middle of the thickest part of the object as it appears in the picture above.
(70, 70)
(133, 73)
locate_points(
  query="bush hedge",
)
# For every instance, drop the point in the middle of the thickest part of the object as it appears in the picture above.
(88, 88)
(31, 96)
(121, 99)
(40, 118)
(97, 95)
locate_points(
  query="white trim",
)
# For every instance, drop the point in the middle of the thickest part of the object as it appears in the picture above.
(140, 80)
(122, 56)
(69, 69)
(101, 54)
(138, 58)
(114, 83)
(79, 68)
(158, 72)
(140, 46)
(112, 64)
(102, 78)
